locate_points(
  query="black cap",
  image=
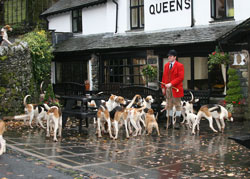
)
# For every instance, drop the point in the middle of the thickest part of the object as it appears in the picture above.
(172, 53)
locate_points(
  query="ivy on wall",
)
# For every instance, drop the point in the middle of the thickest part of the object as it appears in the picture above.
(41, 53)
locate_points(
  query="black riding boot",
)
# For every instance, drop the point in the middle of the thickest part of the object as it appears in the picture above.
(178, 122)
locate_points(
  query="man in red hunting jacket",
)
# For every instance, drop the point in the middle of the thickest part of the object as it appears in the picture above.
(172, 87)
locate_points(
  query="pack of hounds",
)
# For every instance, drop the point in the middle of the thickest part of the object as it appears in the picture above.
(117, 112)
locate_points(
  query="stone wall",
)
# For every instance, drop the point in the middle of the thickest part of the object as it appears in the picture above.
(15, 78)
(95, 72)
(241, 63)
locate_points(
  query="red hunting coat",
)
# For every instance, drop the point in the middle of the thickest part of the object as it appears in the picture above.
(175, 76)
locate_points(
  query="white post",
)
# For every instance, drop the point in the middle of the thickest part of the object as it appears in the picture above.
(223, 70)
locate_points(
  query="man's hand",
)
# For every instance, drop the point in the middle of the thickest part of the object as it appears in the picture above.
(168, 85)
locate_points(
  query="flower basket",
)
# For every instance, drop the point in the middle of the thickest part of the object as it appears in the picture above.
(217, 58)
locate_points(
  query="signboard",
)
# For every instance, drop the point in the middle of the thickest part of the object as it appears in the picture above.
(163, 14)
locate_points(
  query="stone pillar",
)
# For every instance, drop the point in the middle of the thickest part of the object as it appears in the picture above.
(241, 63)
(95, 71)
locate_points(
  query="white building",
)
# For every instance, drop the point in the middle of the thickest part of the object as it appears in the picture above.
(112, 40)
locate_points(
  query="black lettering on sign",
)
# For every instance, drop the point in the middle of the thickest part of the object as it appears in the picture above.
(169, 6)
(172, 9)
(152, 9)
(165, 6)
(158, 8)
(179, 5)
(188, 4)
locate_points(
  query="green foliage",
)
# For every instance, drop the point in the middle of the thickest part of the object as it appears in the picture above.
(2, 58)
(232, 77)
(10, 94)
(50, 97)
(232, 73)
(2, 91)
(234, 93)
(149, 72)
(217, 58)
(4, 78)
(233, 84)
(41, 54)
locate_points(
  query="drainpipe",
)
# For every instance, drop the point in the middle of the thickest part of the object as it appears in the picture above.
(116, 20)
(192, 13)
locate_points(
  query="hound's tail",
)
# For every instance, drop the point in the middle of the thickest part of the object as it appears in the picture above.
(46, 106)
(24, 100)
(2, 127)
(22, 116)
(41, 87)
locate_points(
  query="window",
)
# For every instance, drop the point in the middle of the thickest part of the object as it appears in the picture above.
(126, 71)
(77, 21)
(74, 71)
(222, 9)
(136, 14)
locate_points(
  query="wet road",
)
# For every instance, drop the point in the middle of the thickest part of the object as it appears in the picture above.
(176, 154)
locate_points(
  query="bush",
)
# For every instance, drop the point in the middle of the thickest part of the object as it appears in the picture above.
(234, 93)
(41, 53)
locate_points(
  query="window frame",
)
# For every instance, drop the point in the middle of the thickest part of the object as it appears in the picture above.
(78, 19)
(138, 7)
(127, 69)
(213, 11)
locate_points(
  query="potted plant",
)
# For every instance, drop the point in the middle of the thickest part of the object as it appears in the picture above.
(217, 58)
(234, 100)
(150, 74)
(50, 98)
(221, 59)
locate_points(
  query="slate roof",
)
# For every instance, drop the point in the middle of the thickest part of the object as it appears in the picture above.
(201, 34)
(240, 30)
(67, 5)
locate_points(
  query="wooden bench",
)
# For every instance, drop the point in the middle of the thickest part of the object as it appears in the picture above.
(69, 94)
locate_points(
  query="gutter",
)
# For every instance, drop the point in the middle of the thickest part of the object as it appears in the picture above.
(192, 13)
(116, 20)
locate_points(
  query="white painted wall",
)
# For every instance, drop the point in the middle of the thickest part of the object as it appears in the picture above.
(162, 14)
(202, 12)
(60, 22)
(102, 18)
(110, 17)
(123, 16)
(241, 9)
(94, 19)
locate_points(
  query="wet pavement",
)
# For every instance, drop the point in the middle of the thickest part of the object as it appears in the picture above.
(175, 154)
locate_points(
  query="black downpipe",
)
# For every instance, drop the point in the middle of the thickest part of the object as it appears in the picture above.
(116, 21)
(192, 13)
